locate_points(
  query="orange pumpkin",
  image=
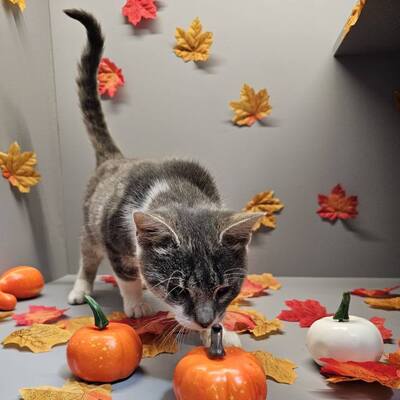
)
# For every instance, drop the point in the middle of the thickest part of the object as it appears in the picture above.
(215, 373)
(7, 302)
(106, 352)
(23, 282)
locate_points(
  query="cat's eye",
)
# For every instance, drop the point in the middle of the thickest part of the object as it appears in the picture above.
(179, 294)
(221, 292)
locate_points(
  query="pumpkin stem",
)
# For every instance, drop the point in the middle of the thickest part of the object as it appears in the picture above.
(342, 313)
(100, 319)
(216, 349)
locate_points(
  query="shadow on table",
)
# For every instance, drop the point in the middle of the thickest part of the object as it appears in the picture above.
(168, 395)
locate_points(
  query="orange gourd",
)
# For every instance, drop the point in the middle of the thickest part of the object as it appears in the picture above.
(106, 352)
(7, 302)
(215, 373)
(23, 282)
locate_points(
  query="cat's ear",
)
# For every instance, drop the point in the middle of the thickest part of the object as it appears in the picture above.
(152, 230)
(237, 234)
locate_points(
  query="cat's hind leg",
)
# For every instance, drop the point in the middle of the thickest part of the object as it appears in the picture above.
(91, 256)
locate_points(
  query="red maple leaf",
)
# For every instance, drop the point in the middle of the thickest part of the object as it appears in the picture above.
(109, 78)
(238, 322)
(380, 324)
(369, 371)
(251, 289)
(39, 315)
(306, 312)
(135, 10)
(337, 205)
(373, 292)
(109, 279)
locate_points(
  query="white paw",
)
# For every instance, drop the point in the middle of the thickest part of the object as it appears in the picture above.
(229, 338)
(77, 294)
(137, 310)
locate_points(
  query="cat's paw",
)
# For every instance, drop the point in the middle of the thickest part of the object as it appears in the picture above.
(78, 293)
(137, 310)
(229, 338)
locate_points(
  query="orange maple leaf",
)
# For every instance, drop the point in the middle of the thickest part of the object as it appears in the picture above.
(39, 315)
(109, 78)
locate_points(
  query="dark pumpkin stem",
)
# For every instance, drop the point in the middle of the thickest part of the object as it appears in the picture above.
(216, 349)
(100, 319)
(342, 314)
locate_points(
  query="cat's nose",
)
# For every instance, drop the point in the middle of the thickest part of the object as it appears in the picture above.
(205, 316)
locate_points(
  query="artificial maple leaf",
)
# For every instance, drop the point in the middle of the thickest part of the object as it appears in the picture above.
(355, 15)
(109, 78)
(369, 371)
(255, 285)
(392, 303)
(72, 390)
(394, 358)
(243, 320)
(306, 312)
(154, 345)
(337, 205)
(193, 45)
(136, 10)
(380, 324)
(18, 168)
(280, 370)
(38, 338)
(267, 203)
(109, 279)
(39, 315)
(5, 314)
(74, 324)
(268, 281)
(20, 3)
(251, 107)
(374, 292)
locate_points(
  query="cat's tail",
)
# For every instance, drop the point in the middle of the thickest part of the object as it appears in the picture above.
(87, 88)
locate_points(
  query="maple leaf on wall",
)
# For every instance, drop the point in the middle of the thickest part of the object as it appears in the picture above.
(19, 168)
(336, 205)
(251, 107)
(20, 3)
(193, 44)
(109, 78)
(136, 10)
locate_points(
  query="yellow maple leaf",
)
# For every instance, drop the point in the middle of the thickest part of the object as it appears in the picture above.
(18, 168)
(74, 324)
(155, 345)
(193, 45)
(251, 107)
(72, 390)
(354, 16)
(5, 314)
(281, 370)
(20, 3)
(38, 338)
(265, 202)
(392, 303)
(265, 279)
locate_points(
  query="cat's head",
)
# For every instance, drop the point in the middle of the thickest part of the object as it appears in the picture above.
(194, 259)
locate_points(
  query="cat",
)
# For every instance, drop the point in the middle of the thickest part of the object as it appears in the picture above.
(158, 222)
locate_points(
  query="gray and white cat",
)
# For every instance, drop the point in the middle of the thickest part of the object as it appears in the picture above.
(160, 222)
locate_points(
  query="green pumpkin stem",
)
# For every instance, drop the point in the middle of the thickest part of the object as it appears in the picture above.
(342, 313)
(100, 319)
(216, 349)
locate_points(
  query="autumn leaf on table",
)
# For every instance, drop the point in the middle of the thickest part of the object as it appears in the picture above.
(354, 16)
(5, 315)
(243, 320)
(255, 285)
(109, 279)
(394, 358)
(74, 324)
(136, 10)
(20, 3)
(109, 78)
(154, 345)
(251, 107)
(72, 390)
(306, 312)
(392, 303)
(369, 371)
(193, 44)
(19, 168)
(374, 292)
(269, 204)
(280, 370)
(38, 338)
(337, 205)
(380, 324)
(39, 315)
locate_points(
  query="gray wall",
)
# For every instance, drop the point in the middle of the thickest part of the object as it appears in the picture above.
(333, 121)
(31, 226)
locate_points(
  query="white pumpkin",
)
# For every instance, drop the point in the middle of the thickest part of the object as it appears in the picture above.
(344, 339)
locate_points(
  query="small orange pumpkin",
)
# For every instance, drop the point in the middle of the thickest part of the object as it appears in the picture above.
(106, 352)
(23, 282)
(215, 373)
(7, 302)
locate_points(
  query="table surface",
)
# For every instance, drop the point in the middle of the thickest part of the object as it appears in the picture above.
(152, 380)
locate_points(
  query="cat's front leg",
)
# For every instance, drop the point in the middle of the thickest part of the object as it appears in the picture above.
(229, 338)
